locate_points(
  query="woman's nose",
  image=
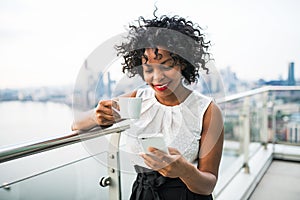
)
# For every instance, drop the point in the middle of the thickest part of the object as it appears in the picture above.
(158, 75)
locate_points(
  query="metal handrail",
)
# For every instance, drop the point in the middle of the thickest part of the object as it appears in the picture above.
(256, 91)
(23, 150)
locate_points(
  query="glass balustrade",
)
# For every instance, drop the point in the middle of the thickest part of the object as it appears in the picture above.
(252, 120)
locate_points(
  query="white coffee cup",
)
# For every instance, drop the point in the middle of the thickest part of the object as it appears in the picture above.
(130, 107)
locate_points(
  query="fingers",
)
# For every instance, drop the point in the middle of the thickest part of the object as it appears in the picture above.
(115, 104)
(104, 113)
(168, 165)
(161, 155)
(173, 151)
(156, 159)
(155, 162)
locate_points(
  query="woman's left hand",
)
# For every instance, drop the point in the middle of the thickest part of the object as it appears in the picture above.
(169, 165)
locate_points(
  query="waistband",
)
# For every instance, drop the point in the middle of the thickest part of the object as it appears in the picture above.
(150, 185)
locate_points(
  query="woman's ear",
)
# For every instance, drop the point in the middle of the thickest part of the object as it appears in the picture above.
(182, 66)
(140, 71)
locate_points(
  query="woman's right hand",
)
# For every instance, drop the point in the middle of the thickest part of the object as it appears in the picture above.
(106, 113)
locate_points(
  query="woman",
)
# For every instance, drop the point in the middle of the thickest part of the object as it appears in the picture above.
(168, 52)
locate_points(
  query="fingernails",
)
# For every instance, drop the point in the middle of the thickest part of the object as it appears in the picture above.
(141, 154)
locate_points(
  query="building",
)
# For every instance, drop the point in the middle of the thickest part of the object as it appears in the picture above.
(289, 81)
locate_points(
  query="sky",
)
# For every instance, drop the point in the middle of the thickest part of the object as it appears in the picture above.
(45, 43)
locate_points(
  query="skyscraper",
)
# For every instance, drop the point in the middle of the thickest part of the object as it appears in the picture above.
(291, 75)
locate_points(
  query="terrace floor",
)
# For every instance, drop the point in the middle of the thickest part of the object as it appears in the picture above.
(281, 181)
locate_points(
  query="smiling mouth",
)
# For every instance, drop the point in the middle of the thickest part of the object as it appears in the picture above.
(161, 87)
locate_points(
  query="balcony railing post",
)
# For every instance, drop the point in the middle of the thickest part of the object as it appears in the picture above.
(274, 110)
(114, 168)
(264, 127)
(246, 133)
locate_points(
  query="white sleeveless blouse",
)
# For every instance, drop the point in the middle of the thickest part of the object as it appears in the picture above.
(181, 125)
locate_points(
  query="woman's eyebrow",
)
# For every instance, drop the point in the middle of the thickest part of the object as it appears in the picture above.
(163, 62)
(166, 61)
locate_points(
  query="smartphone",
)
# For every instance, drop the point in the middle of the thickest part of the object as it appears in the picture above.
(153, 140)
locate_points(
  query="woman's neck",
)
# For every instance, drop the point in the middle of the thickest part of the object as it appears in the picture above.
(175, 98)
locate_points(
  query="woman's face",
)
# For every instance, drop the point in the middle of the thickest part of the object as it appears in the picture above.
(160, 72)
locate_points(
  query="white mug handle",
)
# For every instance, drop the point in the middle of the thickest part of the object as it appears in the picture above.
(115, 109)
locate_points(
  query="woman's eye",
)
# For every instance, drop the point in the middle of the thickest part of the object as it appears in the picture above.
(167, 67)
(147, 68)
(148, 71)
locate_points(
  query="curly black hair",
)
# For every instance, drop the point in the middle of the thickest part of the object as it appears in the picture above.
(182, 38)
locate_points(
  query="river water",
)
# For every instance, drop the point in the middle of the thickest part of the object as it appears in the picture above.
(30, 121)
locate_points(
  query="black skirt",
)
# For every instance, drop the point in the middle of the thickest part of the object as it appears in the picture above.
(151, 185)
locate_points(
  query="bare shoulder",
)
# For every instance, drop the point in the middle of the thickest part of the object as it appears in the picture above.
(214, 109)
(213, 115)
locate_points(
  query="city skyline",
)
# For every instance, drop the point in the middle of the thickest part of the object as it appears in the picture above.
(46, 43)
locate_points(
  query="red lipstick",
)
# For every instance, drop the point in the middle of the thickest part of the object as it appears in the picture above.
(161, 87)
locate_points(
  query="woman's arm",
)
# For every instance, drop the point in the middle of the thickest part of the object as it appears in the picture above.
(102, 115)
(203, 179)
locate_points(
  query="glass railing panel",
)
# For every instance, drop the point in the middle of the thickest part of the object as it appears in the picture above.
(78, 179)
(232, 133)
(128, 173)
(231, 161)
(64, 159)
(233, 123)
(255, 118)
(285, 117)
(31, 178)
